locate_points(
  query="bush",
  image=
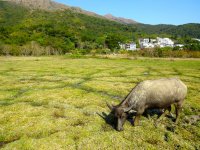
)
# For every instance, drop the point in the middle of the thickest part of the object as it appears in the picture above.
(159, 52)
(105, 51)
(29, 49)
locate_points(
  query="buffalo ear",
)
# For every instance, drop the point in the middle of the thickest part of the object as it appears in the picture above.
(110, 106)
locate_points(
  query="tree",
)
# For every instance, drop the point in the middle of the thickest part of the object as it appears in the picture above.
(112, 42)
(101, 41)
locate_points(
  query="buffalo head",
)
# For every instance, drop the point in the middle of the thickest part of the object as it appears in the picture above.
(120, 114)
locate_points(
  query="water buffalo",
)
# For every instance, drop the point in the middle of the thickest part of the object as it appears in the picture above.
(161, 94)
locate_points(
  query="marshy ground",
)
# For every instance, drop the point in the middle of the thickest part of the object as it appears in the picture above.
(59, 103)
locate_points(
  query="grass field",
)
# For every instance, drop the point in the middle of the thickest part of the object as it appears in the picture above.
(59, 103)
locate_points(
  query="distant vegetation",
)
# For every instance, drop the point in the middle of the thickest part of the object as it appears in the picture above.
(38, 32)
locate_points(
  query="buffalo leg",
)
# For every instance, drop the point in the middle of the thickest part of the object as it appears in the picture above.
(165, 112)
(178, 110)
(136, 120)
(169, 109)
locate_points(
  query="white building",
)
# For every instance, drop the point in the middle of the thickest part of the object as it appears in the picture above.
(146, 43)
(122, 46)
(131, 46)
(128, 46)
(158, 42)
(146, 40)
(164, 42)
(153, 40)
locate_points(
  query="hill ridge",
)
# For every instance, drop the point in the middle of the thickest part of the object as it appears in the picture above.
(51, 5)
(120, 19)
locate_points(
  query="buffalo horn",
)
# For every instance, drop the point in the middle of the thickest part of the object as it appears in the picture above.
(109, 106)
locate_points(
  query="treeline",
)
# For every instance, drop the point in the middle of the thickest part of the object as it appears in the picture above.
(36, 32)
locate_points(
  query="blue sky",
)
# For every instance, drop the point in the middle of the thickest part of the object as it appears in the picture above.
(144, 11)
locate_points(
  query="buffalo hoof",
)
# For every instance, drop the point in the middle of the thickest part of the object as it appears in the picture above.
(120, 129)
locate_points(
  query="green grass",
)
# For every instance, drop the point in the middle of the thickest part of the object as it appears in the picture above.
(57, 103)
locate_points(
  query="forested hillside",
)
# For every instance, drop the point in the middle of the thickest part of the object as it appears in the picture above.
(23, 29)
(64, 30)
(190, 30)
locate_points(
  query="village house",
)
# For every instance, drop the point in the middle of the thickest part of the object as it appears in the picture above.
(146, 43)
(158, 42)
(149, 43)
(153, 40)
(128, 46)
(164, 42)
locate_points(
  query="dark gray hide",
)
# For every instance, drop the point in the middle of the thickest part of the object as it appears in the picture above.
(161, 93)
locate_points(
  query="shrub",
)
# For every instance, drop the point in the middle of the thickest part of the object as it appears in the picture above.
(159, 52)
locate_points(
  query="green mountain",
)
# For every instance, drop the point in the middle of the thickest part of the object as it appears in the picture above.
(191, 29)
(65, 28)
